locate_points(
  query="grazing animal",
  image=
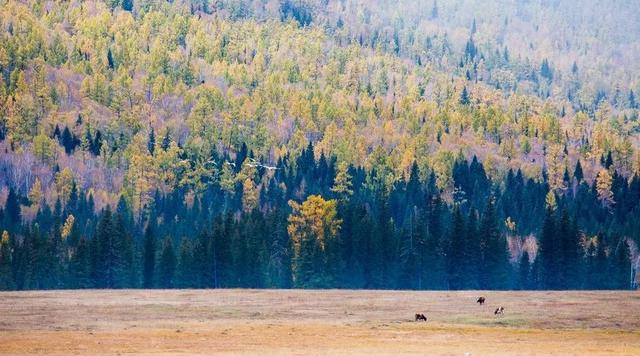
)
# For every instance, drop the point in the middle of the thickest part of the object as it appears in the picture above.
(421, 317)
(499, 311)
(480, 300)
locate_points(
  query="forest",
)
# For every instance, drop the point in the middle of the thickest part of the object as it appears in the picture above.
(360, 236)
(319, 144)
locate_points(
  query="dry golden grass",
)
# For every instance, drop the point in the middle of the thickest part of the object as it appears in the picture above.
(318, 322)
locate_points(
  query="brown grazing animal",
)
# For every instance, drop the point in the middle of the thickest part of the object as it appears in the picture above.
(480, 300)
(499, 311)
(421, 317)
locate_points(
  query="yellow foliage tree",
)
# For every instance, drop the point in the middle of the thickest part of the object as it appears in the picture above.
(64, 184)
(603, 186)
(67, 227)
(342, 182)
(311, 225)
(35, 194)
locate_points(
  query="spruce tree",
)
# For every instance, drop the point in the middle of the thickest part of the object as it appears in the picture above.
(166, 140)
(436, 277)
(524, 272)
(495, 263)
(79, 266)
(620, 267)
(464, 97)
(12, 208)
(578, 174)
(601, 277)
(473, 252)
(149, 258)
(549, 251)
(167, 265)
(68, 141)
(571, 253)
(151, 142)
(127, 5)
(6, 272)
(456, 259)
(110, 264)
(110, 62)
(185, 270)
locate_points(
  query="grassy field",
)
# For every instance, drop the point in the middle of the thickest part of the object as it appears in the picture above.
(318, 322)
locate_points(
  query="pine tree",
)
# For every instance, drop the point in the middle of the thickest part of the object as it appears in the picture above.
(434, 247)
(311, 225)
(495, 261)
(577, 172)
(79, 266)
(67, 140)
(413, 254)
(151, 142)
(149, 258)
(548, 251)
(545, 70)
(166, 140)
(609, 161)
(127, 5)
(473, 252)
(110, 62)
(128, 275)
(464, 97)
(524, 271)
(167, 265)
(110, 264)
(601, 277)
(6, 272)
(12, 208)
(620, 267)
(456, 258)
(535, 276)
(570, 261)
(185, 270)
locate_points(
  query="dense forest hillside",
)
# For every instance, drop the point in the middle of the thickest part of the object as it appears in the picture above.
(291, 143)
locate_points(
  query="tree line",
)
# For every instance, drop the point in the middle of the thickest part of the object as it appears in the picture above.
(319, 224)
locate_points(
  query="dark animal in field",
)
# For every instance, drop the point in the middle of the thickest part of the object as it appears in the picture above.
(499, 311)
(480, 300)
(421, 317)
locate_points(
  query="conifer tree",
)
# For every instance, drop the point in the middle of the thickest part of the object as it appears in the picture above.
(620, 267)
(524, 272)
(167, 265)
(151, 142)
(6, 273)
(570, 262)
(456, 258)
(464, 97)
(311, 225)
(79, 266)
(110, 263)
(577, 173)
(12, 207)
(127, 5)
(495, 258)
(149, 258)
(185, 269)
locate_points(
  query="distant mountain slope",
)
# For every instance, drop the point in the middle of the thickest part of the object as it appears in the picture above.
(87, 85)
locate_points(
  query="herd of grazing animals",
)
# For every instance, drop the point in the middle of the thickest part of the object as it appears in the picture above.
(481, 300)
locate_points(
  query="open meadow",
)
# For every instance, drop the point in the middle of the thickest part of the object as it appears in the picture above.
(318, 322)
